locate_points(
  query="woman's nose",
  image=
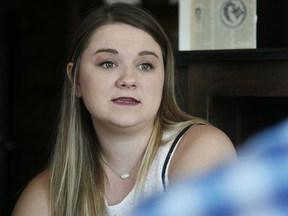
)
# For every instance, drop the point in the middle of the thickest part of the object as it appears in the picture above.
(127, 80)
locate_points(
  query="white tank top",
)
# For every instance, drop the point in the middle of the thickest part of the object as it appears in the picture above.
(156, 180)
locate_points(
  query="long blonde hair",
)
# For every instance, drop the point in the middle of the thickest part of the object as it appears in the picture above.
(77, 177)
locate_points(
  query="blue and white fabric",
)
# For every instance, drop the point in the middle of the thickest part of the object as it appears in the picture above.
(257, 185)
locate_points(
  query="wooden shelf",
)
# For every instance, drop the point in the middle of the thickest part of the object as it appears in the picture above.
(184, 57)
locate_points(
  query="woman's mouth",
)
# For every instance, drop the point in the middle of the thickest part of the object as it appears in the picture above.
(128, 101)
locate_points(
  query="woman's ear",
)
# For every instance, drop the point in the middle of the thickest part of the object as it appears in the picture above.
(69, 71)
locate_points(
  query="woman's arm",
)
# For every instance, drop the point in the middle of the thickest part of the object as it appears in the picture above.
(35, 198)
(201, 149)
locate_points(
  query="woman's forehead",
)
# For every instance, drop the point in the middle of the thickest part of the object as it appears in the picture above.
(123, 36)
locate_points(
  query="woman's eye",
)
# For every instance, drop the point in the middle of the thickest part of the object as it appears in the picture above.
(108, 64)
(145, 67)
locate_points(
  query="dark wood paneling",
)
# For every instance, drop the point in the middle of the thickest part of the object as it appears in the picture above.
(222, 86)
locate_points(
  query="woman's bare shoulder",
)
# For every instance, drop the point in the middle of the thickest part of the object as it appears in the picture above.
(201, 149)
(34, 200)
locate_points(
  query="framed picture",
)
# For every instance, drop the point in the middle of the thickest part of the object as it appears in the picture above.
(217, 24)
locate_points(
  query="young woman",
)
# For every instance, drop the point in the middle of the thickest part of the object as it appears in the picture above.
(121, 136)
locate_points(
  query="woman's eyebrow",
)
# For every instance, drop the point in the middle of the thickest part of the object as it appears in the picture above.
(145, 52)
(107, 50)
(113, 51)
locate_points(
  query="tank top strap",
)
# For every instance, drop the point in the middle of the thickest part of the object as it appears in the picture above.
(170, 155)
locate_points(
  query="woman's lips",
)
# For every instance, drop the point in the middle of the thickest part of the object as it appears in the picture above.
(128, 101)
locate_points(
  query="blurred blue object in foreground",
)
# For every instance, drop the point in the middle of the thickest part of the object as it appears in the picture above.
(257, 185)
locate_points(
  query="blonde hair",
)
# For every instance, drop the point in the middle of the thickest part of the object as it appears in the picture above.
(77, 177)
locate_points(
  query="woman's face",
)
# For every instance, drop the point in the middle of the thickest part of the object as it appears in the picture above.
(121, 77)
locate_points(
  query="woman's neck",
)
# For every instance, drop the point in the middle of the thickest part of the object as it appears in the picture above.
(123, 150)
